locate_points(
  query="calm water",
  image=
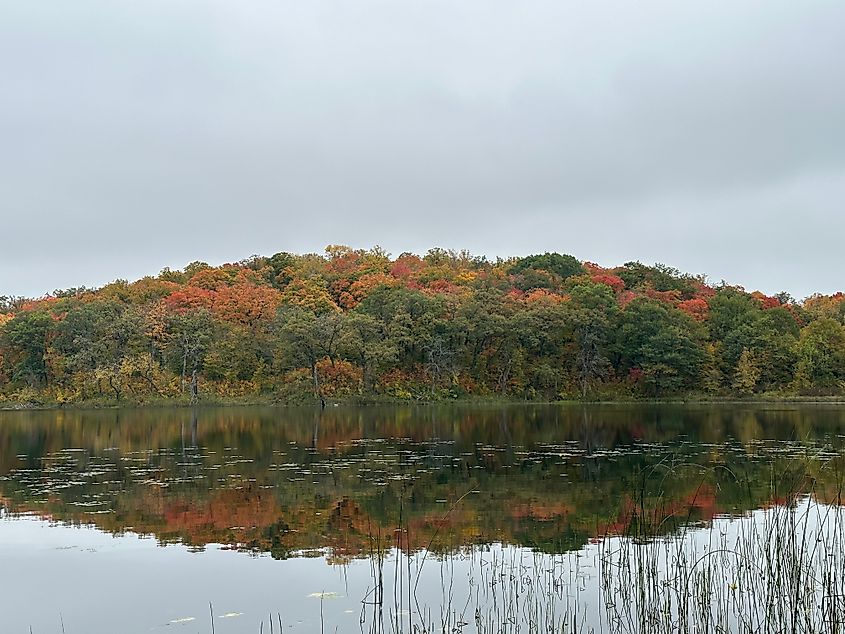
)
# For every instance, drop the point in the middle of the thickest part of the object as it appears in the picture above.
(135, 521)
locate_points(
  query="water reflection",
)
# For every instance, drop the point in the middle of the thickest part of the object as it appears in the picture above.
(285, 480)
(480, 498)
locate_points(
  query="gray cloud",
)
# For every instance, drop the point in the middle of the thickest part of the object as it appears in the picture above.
(137, 135)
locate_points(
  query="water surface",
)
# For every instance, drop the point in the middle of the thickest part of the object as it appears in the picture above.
(136, 520)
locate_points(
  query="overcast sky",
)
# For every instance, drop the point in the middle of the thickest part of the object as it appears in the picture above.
(139, 134)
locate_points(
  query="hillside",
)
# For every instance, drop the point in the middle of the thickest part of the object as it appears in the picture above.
(355, 323)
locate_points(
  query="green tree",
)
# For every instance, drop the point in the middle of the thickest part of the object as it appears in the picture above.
(26, 335)
(365, 341)
(306, 337)
(478, 331)
(665, 344)
(409, 319)
(659, 277)
(96, 339)
(821, 356)
(562, 265)
(591, 311)
(735, 324)
(543, 335)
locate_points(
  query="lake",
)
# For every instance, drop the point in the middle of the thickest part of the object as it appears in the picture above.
(430, 518)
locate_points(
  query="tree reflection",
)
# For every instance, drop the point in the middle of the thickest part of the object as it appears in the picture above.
(286, 480)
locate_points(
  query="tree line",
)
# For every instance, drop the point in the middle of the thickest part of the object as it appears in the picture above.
(359, 323)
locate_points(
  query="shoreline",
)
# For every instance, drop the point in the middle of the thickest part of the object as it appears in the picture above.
(364, 402)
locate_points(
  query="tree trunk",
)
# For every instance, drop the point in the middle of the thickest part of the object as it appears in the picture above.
(194, 387)
(152, 383)
(504, 376)
(114, 388)
(316, 378)
(365, 372)
(184, 369)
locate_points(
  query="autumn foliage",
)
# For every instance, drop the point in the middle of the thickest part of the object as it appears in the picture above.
(443, 325)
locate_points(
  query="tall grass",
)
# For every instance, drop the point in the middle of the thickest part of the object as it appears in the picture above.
(779, 569)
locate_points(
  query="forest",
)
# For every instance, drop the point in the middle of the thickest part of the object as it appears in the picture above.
(360, 326)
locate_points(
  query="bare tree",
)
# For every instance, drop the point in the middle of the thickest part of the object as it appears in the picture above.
(440, 362)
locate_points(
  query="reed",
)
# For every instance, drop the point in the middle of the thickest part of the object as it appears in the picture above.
(780, 569)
